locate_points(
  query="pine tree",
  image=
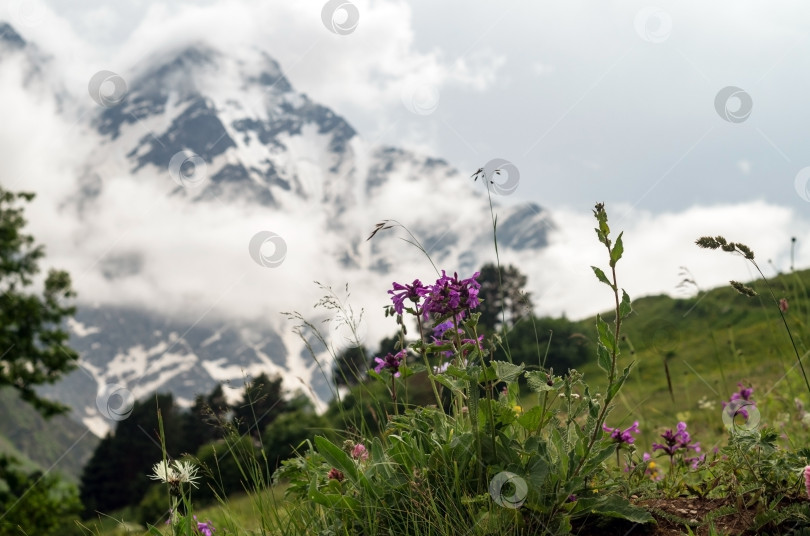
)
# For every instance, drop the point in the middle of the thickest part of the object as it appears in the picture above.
(505, 293)
(261, 403)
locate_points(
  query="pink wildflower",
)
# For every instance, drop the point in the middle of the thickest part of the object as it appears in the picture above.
(807, 480)
(359, 452)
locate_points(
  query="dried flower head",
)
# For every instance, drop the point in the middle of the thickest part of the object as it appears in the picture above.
(335, 474)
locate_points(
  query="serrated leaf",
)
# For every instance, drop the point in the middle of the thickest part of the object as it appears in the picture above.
(606, 336)
(620, 381)
(600, 275)
(454, 384)
(597, 457)
(457, 372)
(487, 374)
(603, 358)
(507, 372)
(616, 252)
(625, 308)
(538, 382)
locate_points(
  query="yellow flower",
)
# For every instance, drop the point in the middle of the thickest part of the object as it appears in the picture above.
(517, 409)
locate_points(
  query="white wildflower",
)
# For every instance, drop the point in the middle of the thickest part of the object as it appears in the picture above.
(175, 474)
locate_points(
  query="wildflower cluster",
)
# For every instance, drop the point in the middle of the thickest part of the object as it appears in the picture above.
(390, 362)
(448, 301)
(740, 400)
(679, 442)
(449, 296)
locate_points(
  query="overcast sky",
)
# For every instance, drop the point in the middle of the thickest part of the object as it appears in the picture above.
(621, 102)
(612, 101)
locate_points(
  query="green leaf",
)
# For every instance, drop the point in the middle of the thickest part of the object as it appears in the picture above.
(507, 372)
(603, 358)
(332, 500)
(562, 455)
(455, 385)
(487, 374)
(597, 457)
(531, 419)
(457, 372)
(600, 275)
(615, 506)
(625, 308)
(606, 335)
(593, 408)
(538, 382)
(336, 457)
(536, 471)
(620, 381)
(616, 252)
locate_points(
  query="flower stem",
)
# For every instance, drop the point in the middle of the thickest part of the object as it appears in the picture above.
(425, 359)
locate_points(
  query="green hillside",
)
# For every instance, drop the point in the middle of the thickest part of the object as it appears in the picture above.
(709, 343)
(58, 442)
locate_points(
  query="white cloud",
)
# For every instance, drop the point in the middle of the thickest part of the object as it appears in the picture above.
(656, 246)
(195, 257)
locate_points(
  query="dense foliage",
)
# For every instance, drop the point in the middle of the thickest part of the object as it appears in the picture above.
(33, 345)
(33, 502)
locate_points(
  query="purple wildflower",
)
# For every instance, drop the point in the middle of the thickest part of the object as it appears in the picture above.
(443, 330)
(675, 441)
(695, 461)
(413, 292)
(622, 436)
(391, 362)
(744, 395)
(442, 334)
(205, 528)
(479, 343)
(451, 296)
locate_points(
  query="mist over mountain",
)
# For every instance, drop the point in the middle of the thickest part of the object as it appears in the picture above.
(180, 164)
